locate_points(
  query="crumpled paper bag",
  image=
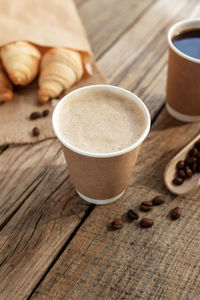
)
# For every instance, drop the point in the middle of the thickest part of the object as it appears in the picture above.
(46, 23)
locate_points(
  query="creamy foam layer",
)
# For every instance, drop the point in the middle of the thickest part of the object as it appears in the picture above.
(100, 122)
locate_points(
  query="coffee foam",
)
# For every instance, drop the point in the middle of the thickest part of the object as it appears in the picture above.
(100, 121)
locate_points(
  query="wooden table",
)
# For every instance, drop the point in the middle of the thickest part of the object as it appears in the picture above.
(56, 246)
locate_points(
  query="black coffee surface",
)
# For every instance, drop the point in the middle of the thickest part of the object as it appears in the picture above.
(188, 42)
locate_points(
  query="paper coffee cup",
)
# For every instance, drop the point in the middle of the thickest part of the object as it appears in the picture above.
(183, 88)
(101, 178)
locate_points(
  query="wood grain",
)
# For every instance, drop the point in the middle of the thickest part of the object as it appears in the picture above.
(30, 177)
(106, 20)
(138, 61)
(40, 227)
(134, 263)
(42, 214)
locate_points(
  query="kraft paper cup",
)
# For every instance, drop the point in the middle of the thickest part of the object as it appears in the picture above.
(101, 178)
(183, 88)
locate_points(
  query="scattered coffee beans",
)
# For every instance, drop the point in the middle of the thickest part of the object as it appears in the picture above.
(117, 224)
(35, 115)
(146, 206)
(45, 113)
(188, 167)
(36, 131)
(132, 214)
(146, 222)
(158, 200)
(175, 213)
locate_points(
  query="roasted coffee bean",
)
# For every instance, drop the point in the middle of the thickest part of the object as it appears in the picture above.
(188, 172)
(197, 145)
(132, 214)
(193, 152)
(117, 224)
(178, 180)
(35, 115)
(190, 160)
(194, 168)
(146, 222)
(36, 131)
(181, 173)
(45, 113)
(158, 200)
(180, 164)
(175, 213)
(146, 206)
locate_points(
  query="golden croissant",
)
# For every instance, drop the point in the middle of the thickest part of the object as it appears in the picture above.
(6, 90)
(21, 61)
(60, 69)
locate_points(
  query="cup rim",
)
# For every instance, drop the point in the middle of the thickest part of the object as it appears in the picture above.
(193, 21)
(108, 154)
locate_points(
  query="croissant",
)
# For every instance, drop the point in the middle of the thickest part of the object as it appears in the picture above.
(6, 90)
(21, 61)
(60, 69)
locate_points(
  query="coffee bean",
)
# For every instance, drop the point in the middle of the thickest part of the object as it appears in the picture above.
(35, 115)
(180, 164)
(146, 222)
(45, 113)
(158, 200)
(178, 180)
(146, 206)
(36, 131)
(194, 168)
(181, 173)
(117, 224)
(132, 214)
(197, 145)
(190, 160)
(175, 213)
(193, 152)
(188, 172)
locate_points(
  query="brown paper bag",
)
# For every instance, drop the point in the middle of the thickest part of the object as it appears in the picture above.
(46, 23)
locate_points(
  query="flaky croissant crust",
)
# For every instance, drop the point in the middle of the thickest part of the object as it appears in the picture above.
(6, 91)
(60, 69)
(21, 61)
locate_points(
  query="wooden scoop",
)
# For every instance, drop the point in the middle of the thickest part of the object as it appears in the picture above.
(170, 172)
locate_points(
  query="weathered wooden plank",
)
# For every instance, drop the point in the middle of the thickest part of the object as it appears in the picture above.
(138, 61)
(134, 263)
(36, 233)
(106, 20)
(22, 169)
(25, 258)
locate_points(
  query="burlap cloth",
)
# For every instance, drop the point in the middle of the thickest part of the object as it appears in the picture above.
(46, 23)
